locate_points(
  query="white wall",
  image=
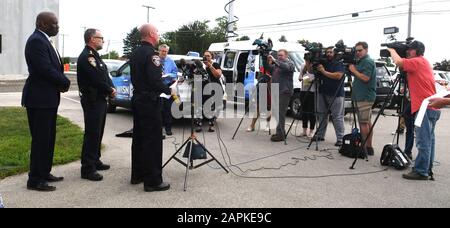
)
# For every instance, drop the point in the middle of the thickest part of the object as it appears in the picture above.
(17, 23)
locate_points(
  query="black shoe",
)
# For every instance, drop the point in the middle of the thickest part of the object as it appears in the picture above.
(53, 179)
(316, 138)
(160, 188)
(92, 177)
(102, 167)
(415, 176)
(169, 132)
(198, 129)
(277, 138)
(211, 129)
(338, 144)
(41, 187)
(164, 137)
(370, 151)
(136, 181)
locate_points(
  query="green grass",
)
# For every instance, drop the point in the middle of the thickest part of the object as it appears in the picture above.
(15, 142)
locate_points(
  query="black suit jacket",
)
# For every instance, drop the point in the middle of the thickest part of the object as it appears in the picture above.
(46, 74)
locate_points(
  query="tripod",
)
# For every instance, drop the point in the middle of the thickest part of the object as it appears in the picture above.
(400, 80)
(190, 142)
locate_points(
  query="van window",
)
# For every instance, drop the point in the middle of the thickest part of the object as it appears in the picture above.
(296, 57)
(229, 60)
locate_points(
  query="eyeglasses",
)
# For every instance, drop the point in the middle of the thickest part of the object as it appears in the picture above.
(99, 37)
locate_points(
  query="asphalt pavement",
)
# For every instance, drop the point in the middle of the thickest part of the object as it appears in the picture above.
(264, 174)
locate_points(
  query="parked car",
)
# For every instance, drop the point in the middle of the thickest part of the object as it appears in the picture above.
(122, 81)
(113, 65)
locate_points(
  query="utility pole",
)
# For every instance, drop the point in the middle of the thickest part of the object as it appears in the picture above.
(148, 12)
(410, 19)
(107, 49)
(231, 19)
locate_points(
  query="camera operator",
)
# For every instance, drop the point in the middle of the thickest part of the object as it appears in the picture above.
(364, 91)
(331, 89)
(283, 74)
(422, 85)
(214, 74)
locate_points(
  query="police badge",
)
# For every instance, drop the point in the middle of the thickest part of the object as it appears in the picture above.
(156, 60)
(92, 61)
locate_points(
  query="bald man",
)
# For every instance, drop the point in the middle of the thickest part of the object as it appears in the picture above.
(41, 98)
(147, 148)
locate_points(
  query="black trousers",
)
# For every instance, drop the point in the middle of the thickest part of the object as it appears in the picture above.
(166, 107)
(42, 123)
(308, 110)
(147, 147)
(94, 125)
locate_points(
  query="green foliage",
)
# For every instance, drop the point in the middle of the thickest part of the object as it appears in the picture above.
(283, 39)
(244, 38)
(111, 55)
(15, 142)
(444, 65)
(66, 60)
(196, 36)
(131, 42)
(388, 62)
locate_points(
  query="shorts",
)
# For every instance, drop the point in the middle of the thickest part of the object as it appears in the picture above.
(365, 111)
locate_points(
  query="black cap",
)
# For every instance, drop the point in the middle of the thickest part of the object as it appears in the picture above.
(418, 46)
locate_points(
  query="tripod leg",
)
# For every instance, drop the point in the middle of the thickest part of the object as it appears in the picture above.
(239, 126)
(188, 166)
(175, 154)
(212, 156)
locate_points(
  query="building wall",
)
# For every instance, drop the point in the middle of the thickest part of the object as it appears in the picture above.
(17, 23)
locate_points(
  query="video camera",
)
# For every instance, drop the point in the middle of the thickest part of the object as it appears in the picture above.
(345, 54)
(401, 47)
(192, 68)
(316, 54)
(264, 47)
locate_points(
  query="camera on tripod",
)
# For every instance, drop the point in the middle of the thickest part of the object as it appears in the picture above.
(190, 69)
(401, 47)
(264, 47)
(345, 54)
(315, 53)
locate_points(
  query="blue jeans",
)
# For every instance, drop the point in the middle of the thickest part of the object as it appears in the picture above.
(426, 143)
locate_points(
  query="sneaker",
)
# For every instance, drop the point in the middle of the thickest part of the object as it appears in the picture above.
(169, 131)
(310, 135)
(277, 138)
(415, 176)
(338, 144)
(250, 129)
(267, 129)
(211, 129)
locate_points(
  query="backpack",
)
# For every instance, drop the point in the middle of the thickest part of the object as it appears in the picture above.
(351, 145)
(394, 156)
(198, 153)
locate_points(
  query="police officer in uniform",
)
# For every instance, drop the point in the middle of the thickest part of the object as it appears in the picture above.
(95, 87)
(147, 148)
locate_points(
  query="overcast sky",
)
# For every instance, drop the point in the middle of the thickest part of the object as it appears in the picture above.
(117, 18)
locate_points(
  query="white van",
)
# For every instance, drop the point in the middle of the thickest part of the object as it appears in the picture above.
(242, 63)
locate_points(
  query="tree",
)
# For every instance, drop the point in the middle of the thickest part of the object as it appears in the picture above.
(244, 38)
(303, 41)
(131, 42)
(444, 65)
(195, 36)
(283, 39)
(111, 55)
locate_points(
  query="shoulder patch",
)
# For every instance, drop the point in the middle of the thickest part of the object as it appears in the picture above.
(156, 60)
(92, 61)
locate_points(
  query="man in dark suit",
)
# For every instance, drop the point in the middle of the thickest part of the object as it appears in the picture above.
(41, 97)
(95, 87)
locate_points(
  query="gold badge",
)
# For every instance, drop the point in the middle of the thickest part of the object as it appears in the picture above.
(156, 60)
(92, 61)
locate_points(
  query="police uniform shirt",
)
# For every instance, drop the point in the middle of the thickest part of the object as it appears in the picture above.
(146, 72)
(92, 74)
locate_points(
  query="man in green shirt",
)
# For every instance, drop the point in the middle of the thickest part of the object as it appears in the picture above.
(364, 91)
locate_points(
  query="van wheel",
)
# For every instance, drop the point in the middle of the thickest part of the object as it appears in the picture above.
(296, 104)
(111, 108)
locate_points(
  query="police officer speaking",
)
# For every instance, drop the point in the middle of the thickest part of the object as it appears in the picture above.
(147, 148)
(95, 87)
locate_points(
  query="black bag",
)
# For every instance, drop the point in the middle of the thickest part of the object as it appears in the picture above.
(351, 146)
(394, 156)
(198, 153)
